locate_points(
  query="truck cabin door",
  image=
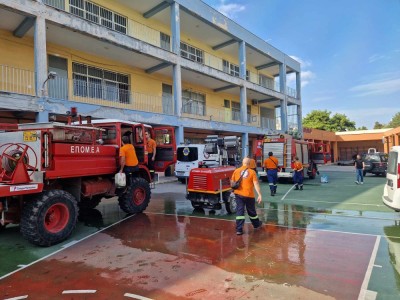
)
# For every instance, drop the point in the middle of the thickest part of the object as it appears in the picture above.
(166, 147)
(139, 142)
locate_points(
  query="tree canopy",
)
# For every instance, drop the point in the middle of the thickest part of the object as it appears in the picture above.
(321, 119)
(395, 121)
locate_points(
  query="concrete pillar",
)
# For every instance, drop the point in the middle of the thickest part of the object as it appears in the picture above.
(242, 60)
(245, 144)
(177, 89)
(298, 86)
(179, 135)
(176, 46)
(299, 121)
(175, 28)
(282, 83)
(40, 53)
(243, 105)
(42, 117)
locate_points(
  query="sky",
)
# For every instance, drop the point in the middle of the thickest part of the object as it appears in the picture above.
(349, 51)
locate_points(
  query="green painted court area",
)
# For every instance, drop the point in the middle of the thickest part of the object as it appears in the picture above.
(335, 222)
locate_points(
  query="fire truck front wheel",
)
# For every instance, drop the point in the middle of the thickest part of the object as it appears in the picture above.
(136, 198)
(49, 218)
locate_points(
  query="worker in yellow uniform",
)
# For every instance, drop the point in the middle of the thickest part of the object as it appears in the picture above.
(151, 153)
(245, 197)
(298, 174)
(271, 166)
(129, 163)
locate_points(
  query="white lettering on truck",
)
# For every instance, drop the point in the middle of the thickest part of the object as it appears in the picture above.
(85, 149)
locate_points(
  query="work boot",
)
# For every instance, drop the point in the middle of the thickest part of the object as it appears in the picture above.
(296, 188)
(260, 224)
(272, 193)
(301, 188)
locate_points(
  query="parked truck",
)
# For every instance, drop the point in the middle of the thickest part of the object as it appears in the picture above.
(48, 171)
(285, 148)
(210, 187)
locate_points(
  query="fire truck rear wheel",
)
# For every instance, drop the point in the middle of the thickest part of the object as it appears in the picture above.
(49, 218)
(136, 198)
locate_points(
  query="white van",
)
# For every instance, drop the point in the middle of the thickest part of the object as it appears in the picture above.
(193, 156)
(391, 191)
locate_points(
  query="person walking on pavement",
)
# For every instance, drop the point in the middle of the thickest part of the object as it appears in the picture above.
(151, 153)
(298, 174)
(128, 159)
(245, 196)
(271, 166)
(359, 165)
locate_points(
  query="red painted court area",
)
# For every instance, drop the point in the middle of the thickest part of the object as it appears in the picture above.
(157, 256)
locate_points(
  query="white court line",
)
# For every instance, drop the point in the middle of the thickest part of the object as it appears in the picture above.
(284, 196)
(134, 296)
(63, 248)
(79, 291)
(276, 225)
(333, 202)
(18, 298)
(336, 215)
(367, 277)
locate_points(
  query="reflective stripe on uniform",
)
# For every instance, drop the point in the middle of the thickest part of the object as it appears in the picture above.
(240, 218)
(255, 217)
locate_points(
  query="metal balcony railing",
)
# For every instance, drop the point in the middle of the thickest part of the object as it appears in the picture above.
(157, 38)
(15, 80)
(20, 81)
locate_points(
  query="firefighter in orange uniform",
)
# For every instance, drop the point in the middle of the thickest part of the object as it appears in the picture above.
(151, 153)
(245, 197)
(129, 163)
(298, 174)
(253, 164)
(271, 166)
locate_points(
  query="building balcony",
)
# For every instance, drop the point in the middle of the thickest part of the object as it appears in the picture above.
(93, 12)
(109, 94)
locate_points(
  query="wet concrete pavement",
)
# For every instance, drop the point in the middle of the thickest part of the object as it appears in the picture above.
(330, 241)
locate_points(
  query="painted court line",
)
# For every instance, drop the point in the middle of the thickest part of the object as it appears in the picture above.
(284, 196)
(333, 202)
(364, 286)
(63, 248)
(79, 292)
(134, 296)
(335, 215)
(18, 298)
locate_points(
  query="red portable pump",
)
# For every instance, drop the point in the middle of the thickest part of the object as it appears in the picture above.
(50, 170)
(210, 187)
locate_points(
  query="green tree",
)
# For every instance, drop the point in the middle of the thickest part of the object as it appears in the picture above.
(362, 128)
(395, 121)
(340, 122)
(321, 119)
(317, 119)
(378, 125)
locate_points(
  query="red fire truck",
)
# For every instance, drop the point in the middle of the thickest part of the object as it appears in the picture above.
(50, 170)
(321, 152)
(285, 148)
